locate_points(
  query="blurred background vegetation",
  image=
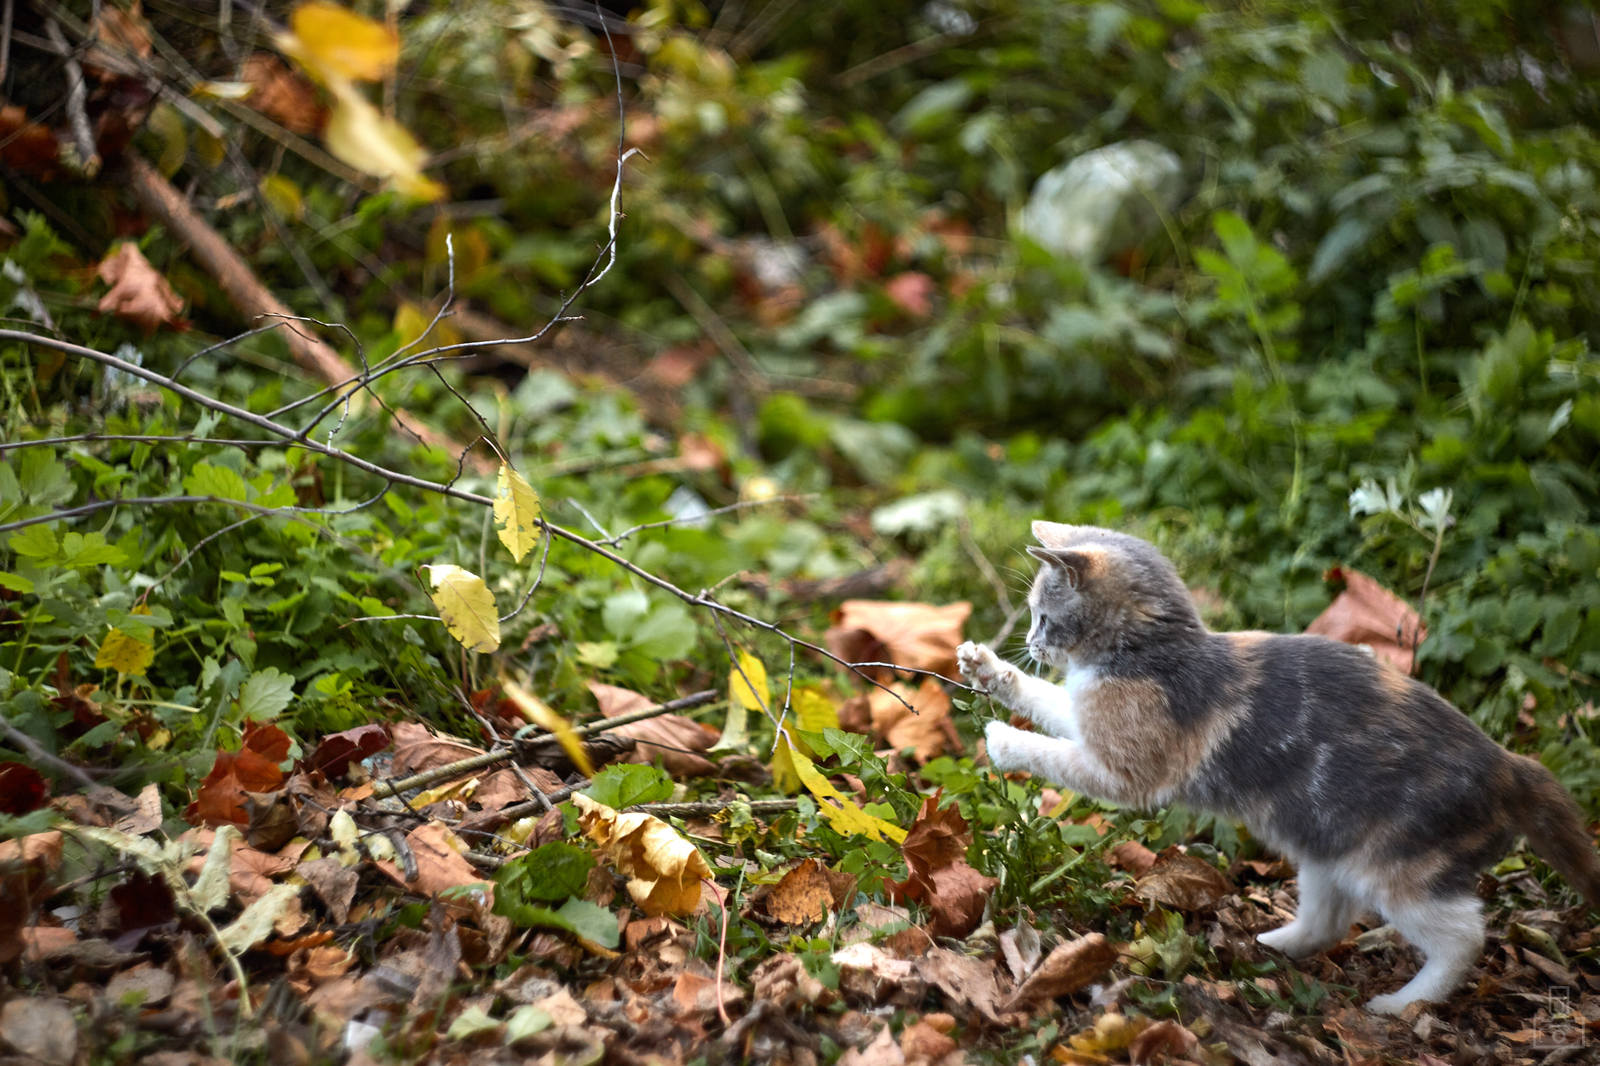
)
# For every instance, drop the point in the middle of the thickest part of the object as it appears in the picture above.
(1378, 267)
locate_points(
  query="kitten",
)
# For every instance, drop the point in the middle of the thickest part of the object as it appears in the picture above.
(1385, 796)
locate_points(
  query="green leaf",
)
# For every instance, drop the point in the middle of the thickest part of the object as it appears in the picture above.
(35, 542)
(265, 694)
(668, 632)
(548, 873)
(15, 582)
(622, 785)
(207, 479)
(588, 920)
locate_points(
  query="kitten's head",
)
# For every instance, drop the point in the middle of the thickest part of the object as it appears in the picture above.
(1100, 591)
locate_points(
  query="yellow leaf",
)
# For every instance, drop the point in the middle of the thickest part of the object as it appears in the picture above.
(813, 710)
(747, 691)
(358, 134)
(516, 512)
(283, 195)
(840, 812)
(335, 44)
(664, 869)
(784, 775)
(466, 606)
(537, 711)
(125, 654)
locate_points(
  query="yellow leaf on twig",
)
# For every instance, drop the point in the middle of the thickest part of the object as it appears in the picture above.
(747, 691)
(516, 512)
(540, 713)
(466, 606)
(336, 44)
(665, 870)
(791, 769)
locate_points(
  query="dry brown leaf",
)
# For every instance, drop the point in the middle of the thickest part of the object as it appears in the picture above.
(333, 883)
(925, 726)
(883, 1051)
(935, 852)
(1161, 1042)
(145, 986)
(918, 635)
(672, 738)
(803, 896)
(1132, 856)
(416, 748)
(440, 865)
(783, 979)
(283, 95)
(966, 982)
(40, 1029)
(138, 291)
(1066, 969)
(250, 871)
(1184, 882)
(923, 1044)
(1367, 613)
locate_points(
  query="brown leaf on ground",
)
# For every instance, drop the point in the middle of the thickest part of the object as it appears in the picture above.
(250, 871)
(334, 884)
(40, 1029)
(143, 986)
(783, 979)
(1020, 948)
(925, 726)
(927, 1040)
(935, 851)
(440, 866)
(138, 291)
(918, 635)
(660, 737)
(253, 768)
(1184, 882)
(1065, 970)
(966, 982)
(26, 864)
(283, 95)
(1161, 1042)
(883, 1051)
(803, 896)
(1132, 856)
(337, 751)
(27, 146)
(146, 815)
(503, 787)
(1367, 613)
(665, 871)
(417, 748)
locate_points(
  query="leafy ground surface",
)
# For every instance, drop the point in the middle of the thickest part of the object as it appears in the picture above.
(374, 692)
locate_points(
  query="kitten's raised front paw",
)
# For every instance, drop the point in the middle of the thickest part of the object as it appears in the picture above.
(1004, 745)
(985, 671)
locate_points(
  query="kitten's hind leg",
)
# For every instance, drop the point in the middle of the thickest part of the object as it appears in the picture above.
(1449, 933)
(1325, 914)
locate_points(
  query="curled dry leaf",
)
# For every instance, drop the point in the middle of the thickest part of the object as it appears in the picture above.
(253, 768)
(935, 851)
(1066, 969)
(918, 635)
(338, 750)
(138, 291)
(663, 868)
(1367, 613)
(281, 94)
(672, 738)
(440, 865)
(1183, 882)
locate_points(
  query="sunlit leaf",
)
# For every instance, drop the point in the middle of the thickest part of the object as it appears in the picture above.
(516, 512)
(839, 811)
(539, 712)
(747, 691)
(336, 44)
(466, 606)
(124, 653)
(360, 135)
(665, 870)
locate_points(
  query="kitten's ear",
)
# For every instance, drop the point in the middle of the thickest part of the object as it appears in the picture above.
(1074, 564)
(1054, 534)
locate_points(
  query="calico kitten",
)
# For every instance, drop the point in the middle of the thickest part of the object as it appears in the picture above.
(1385, 796)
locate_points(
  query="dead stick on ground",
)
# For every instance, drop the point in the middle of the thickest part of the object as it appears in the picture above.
(471, 763)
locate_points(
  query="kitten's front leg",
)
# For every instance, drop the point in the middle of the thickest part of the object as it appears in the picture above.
(1034, 698)
(1064, 762)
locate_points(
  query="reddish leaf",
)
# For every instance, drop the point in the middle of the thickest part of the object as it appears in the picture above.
(935, 852)
(253, 768)
(918, 635)
(25, 867)
(143, 902)
(1132, 856)
(912, 292)
(672, 738)
(1367, 613)
(138, 291)
(338, 750)
(22, 788)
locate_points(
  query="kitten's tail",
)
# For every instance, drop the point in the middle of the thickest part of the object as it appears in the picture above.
(1555, 827)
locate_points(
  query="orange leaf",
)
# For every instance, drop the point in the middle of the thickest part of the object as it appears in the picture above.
(138, 291)
(672, 738)
(803, 896)
(917, 635)
(1367, 613)
(253, 768)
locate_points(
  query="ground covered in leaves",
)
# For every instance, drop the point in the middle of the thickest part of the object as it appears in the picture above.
(489, 496)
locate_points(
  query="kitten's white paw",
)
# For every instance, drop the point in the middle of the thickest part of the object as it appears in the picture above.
(984, 670)
(1003, 743)
(1289, 940)
(1392, 1004)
